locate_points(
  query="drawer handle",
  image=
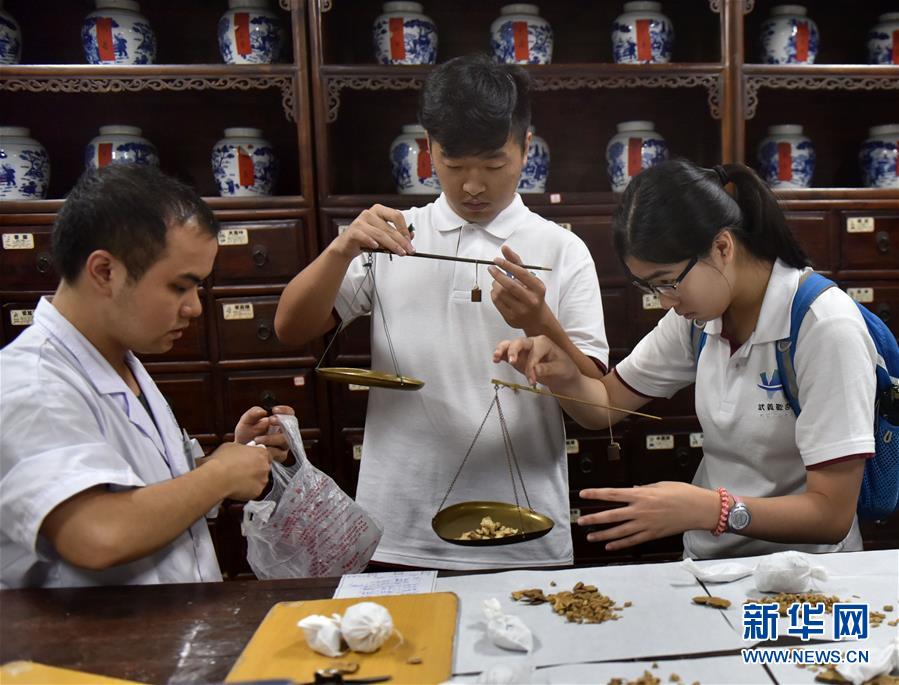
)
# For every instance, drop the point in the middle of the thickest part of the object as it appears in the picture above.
(44, 263)
(884, 312)
(260, 255)
(586, 465)
(883, 242)
(264, 331)
(268, 400)
(682, 457)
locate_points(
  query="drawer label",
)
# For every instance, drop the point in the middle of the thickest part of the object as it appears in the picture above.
(662, 441)
(860, 224)
(572, 447)
(357, 452)
(695, 439)
(299, 381)
(575, 515)
(565, 225)
(18, 241)
(863, 295)
(358, 388)
(651, 302)
(21, 317)
(239, 311)
(234, 236)
(341, 227)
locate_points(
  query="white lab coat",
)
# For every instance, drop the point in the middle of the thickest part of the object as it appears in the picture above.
(68, 422)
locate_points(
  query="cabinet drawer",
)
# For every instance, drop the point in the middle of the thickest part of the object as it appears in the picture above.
(246, 329)
(353, 344)
(813, 231)
(25, 262)
(270, 252)
(881, 297)
(192, 399)
(869, 240)
(664, 450)
(349, 403)
(292, 387)
(590, 465)
(645, 311)
(616, 319)
(596, 232)
(591, 552)
(17, 316)
(681, 404)
(350, 457)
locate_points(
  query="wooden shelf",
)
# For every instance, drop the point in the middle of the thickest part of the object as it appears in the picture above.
(94, 71)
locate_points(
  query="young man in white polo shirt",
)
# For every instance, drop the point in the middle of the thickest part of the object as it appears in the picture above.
(476, 114)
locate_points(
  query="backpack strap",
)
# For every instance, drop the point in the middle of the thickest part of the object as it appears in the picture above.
(811, 285)
(697, 338)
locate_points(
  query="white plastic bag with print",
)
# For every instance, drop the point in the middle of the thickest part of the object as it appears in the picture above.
(306, 526)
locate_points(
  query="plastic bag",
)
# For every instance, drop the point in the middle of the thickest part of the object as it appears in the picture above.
(306, 527)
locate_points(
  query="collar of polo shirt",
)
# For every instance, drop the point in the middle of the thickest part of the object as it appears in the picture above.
(502, 227)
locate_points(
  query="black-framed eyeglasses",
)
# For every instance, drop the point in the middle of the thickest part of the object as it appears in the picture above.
(667, 287)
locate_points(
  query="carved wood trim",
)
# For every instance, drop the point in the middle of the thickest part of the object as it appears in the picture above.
(753, 82)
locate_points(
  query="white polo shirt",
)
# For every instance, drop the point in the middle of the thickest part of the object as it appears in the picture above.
(415, 441)
(753, 444)
(68, 422)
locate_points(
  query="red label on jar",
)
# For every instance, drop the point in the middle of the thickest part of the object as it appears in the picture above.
(104, 154)
(784, 162)
(242, 33)
(896, 46)
(397, 38)
(105, 44)
(634, 156)
(244, 168)
(644, 40)
(802, 41)
(424, 159)
(520, 36)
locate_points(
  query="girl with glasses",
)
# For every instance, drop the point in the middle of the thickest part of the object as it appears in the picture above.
(728, 265)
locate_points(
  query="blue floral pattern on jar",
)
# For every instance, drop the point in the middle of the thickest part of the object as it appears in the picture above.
(652, 152)
(879, 165)
(403, 164)
(802, 167)
(883, 40)
(624, 42)
(536, 168)
(124, 153)
(266, 39)
(24, 175)
(138, 49)
(419, 41)
(225, 170)
(779, 40)
(10, 40)
(540, 43)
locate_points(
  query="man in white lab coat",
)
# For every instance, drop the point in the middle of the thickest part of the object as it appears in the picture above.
(98, 484)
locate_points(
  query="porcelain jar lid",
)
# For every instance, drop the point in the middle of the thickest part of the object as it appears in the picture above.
(116, 129)
(520, 8)
(403, 7)
(242, 132)
(630, 126)
(788, 10)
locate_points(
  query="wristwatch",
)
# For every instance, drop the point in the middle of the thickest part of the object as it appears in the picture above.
(738, 517)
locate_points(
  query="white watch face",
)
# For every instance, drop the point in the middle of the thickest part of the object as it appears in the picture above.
(739, 517)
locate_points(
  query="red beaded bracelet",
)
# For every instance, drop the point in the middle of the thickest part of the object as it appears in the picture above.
(725, 510)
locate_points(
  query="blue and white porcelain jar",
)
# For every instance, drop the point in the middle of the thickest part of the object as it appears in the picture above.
(883, 40)
(789, 36)
(10, 38)
(116, 33)
(878, 157)
(24, 165)
(521, 36)
(635, 147)
(536, 167)
(410, 161)
(244, 163)
(403, 34)
(250, 33)
(786, 157)
(642, 35)
(119, 145)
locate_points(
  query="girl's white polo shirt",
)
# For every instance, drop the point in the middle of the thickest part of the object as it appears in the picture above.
(753, 444)
(415, 441)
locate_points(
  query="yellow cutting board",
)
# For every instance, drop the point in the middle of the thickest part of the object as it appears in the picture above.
(30, 673)
(427, 623)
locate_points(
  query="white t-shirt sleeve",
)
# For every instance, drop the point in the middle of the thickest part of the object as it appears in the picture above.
(662, 362)
(354, 297)
(580, 311)
(52, 448)
(835, 369)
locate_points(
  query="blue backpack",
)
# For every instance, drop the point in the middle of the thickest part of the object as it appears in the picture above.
(879, 495)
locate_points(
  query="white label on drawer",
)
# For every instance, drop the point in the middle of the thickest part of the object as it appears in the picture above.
(860, 224)
(565, 225)
(555, 198)
(299, 381)
(236, 312)
(695, 439)
(575, 515)
(357, 452)
(341, 227)
(572, 447)
(358, 388)
(660, 442)
(18, 241)
(21, 317)
(651, 302)
(863, 295)
(234, 236)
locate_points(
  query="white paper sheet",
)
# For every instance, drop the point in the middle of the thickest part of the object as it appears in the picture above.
(374, 584)
(791, 674)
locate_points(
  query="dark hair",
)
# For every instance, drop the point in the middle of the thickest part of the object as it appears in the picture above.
(127, 210)
(471, 105)
(673, 211)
